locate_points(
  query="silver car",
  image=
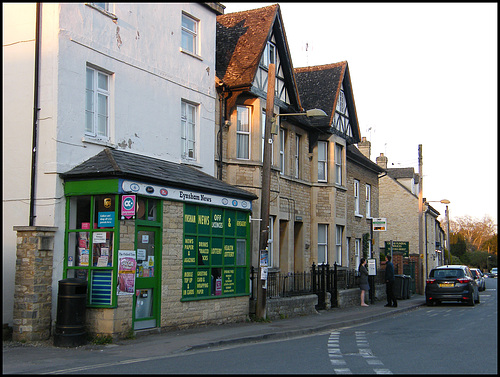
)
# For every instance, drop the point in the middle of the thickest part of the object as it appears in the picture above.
(479, 278)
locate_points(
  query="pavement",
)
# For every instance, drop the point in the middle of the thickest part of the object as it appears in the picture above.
(43, 357)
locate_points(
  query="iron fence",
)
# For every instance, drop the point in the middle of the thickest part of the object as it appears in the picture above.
(320, 278)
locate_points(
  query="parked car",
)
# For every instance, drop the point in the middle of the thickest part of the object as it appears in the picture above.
(479, 277)
(494, 272)
(451, 283)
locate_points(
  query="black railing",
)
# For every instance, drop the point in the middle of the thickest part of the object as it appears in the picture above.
(289, 284)
(321, 279)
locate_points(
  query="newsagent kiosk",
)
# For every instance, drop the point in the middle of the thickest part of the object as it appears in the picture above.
(161, 245)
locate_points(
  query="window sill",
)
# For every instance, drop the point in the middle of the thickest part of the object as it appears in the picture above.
(103, 11)
(191, 54)
(358, 215)
(91, 140)
(193, 163)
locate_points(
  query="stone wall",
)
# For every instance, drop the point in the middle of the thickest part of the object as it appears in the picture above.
(33, 283)
(358, 226)
(291, 306)
(352, 296)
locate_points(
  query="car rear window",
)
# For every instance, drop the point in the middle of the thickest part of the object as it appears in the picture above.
(447, 273)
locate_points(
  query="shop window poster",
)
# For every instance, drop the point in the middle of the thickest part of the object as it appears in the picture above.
(126, 272)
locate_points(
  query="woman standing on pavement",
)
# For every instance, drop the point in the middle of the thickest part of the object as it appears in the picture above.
(363, 282)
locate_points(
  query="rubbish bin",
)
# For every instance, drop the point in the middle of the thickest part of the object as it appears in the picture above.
(407, 283)
(70, 320)
(398, 286)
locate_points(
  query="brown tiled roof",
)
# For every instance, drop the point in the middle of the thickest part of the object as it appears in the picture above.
(241, 38)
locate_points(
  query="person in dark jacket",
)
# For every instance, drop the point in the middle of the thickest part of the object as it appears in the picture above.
(363, 281)
(389, 283)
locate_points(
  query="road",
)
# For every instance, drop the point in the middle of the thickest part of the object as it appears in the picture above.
(451, 338)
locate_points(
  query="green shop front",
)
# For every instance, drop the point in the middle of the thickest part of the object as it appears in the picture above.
(161, 245)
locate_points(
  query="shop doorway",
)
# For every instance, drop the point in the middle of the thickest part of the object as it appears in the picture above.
(146, 311)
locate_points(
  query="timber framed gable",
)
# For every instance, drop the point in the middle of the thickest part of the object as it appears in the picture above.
(329, 88)
(247, 42)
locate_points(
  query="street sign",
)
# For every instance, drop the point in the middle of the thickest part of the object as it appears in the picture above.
(379, 224)
(398, 246)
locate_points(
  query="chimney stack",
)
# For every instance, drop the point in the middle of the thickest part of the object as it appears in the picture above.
(382, 161)
(365, 147)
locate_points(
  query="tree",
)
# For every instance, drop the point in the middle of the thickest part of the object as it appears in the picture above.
(491, 245)
(475, 232)
(458, 246)
(473, 241)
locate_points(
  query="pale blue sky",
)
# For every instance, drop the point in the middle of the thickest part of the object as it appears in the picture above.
(422, 73)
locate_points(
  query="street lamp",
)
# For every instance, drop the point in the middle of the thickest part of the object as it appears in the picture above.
(447, 215)
(313, 113)
(266, 182)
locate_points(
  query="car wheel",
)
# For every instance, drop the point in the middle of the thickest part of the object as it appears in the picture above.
(471, 300)
(429, 302)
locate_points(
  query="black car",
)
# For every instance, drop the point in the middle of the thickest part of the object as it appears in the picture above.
(451, 283)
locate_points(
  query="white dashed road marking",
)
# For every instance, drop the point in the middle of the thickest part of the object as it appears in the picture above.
(337, 357)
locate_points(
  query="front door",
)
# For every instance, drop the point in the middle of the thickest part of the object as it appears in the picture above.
(147, 282)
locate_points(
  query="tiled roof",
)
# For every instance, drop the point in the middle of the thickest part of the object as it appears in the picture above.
(401, 173)
(310, 81)
(112, 163)
(319, 87)
(241, 38)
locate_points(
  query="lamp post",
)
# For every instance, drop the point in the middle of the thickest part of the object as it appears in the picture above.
(266, 181)
(447, 216)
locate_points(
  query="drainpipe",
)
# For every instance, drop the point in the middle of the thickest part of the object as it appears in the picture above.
(222, 119)
(38, 33)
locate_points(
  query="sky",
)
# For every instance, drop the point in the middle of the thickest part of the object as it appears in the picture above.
(422, 73)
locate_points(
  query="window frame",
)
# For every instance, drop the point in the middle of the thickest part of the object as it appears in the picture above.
(232, 238)
(273, 262)
(269, 55)
(297, 156)
(73, 268)
(193, 34)
(323, 161)
(368, 200)
(338, 163)
(186, 125)
(243, 134)
(323, 243)
(282, 134)
(356, 185)
(339, 231)
(96, 93)
(357, 251)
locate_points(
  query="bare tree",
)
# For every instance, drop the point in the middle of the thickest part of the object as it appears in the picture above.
(475, 232)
